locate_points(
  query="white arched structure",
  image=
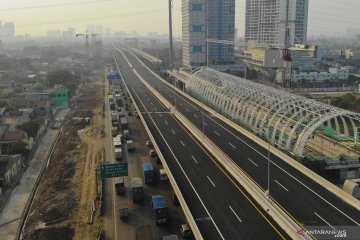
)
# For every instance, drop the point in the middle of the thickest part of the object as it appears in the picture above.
(291, 119)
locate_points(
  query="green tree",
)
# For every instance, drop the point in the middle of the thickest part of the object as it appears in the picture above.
(16, 148)
(63, 77)
(30, 127)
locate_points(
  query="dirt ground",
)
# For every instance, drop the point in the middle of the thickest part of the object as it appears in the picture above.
(63, 202)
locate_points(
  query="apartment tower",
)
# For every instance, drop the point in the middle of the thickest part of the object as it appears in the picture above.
(208, 19)
(265, 22)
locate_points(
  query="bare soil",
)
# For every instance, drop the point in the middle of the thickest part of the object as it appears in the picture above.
(62, 204)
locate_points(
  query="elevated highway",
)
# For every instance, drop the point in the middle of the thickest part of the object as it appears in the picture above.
(304, 199)
(220, 206)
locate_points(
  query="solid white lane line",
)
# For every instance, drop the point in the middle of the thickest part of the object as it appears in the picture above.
(181, 104)
(232, 145)
(182, 143)
(282, 169)
(235, 213)
(324, 220)
(195, 116)
(281, 185)
(210, 181)
(217, 133)
(151, 103)
(187, 109)
(253, 162)
(166, 123)
(173, 131)
(205, 124)
(194, 159)
(182, 169)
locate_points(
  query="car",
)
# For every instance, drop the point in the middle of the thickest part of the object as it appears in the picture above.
(149, 144)
(163, 175)
(175, 200)
(124, 213)
(152, 153)
(185, 230)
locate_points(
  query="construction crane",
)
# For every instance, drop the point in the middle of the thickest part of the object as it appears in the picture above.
(87, 35)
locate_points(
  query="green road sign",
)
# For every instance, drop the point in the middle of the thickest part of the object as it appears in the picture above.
(110, 170)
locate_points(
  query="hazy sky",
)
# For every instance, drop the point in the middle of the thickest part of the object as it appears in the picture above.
(330, 17)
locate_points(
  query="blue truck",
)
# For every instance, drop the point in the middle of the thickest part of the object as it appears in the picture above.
(159, 209)
(148, 172)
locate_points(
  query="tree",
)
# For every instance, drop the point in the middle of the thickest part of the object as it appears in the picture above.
(30, 127)
(15, 148)
(63, 77)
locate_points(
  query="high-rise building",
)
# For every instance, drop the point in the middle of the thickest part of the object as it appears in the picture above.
(7, 30)
(265, 21)
(213, 20)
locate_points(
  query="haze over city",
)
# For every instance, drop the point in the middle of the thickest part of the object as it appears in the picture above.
(326, 17)
(233, 119)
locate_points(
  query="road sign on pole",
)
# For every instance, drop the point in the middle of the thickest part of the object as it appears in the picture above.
(111, 170)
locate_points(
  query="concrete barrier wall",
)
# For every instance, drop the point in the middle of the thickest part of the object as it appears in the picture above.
(309, 173)
(275, 211)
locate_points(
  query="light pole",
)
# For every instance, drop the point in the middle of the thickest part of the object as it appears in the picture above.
(267, 192)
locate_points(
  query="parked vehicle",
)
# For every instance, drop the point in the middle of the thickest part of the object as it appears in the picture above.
(152, 153)
(120, 186)
(114, 131)
(137, 189)
(159, 209)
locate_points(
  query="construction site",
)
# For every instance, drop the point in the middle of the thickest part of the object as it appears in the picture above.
(64, 204)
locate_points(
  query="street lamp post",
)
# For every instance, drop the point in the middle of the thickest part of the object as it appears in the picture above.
(267, 192)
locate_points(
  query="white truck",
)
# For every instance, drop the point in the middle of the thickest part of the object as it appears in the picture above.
(130, 145)
(118, 154)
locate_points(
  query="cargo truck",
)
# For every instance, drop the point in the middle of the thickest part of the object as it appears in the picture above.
(126, 134)
(118, 154)
(159, 209)
(148, 169)
(137, 189)
(124, 123)
(119, 185)
(130, 145)
(114, 131)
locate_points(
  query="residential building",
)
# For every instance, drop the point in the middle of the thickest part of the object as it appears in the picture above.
(212, 20)
(10, 165)
(265, 22)
(333, 74)
(9, 134)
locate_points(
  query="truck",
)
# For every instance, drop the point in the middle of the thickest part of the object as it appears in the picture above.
(111, 98)
(130, 145)
(117, 143)
(114, 131)
(124, 123)
(159, 209)
(126, 134)
(137, 189)
(118, 154)
(148, 169)
(112, 106)
(120, 185)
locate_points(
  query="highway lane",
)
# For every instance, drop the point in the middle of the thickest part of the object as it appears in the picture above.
(300, 196)
(220, 209)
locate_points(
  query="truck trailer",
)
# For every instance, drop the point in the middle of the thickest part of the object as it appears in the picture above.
(148, 169)
(159, 209)
(137, 189)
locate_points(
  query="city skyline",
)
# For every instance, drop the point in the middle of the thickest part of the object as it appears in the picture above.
(326, 17)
